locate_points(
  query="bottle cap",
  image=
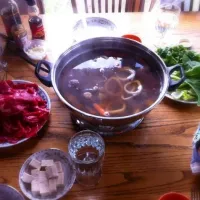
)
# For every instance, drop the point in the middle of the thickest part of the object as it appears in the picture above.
(31, 2)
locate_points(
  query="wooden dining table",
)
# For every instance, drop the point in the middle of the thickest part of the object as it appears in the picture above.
(141, 164)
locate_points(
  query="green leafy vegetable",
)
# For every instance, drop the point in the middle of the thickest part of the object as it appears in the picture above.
(193, 72)
(187, 96)
(189, 90)
(195, 85)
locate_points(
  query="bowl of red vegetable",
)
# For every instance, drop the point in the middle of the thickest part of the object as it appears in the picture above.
(24, 109)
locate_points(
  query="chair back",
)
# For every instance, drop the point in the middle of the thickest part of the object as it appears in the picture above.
(107, 6)
(190, 5)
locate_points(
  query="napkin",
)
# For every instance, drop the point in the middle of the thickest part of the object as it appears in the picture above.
(195, 161)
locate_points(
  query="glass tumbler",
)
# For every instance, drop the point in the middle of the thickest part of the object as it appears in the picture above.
(167, 19)
(86, 149)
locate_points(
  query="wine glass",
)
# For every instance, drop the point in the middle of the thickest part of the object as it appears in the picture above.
(167, 19)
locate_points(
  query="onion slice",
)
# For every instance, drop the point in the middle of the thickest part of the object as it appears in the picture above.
(109, 81)
(135, 92)
(116, 111)
(127, 98)
(130, 71)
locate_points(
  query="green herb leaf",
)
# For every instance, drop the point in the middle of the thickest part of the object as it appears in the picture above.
(195, 85)
(190, 60)
(193, 72)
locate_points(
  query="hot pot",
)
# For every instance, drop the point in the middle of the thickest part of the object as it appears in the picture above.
(109, 46)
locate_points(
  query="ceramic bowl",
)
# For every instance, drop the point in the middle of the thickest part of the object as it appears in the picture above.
(173, 196)
(35, 55)
(49, 154)
(44, 96)
(93, 27)
(9, 193)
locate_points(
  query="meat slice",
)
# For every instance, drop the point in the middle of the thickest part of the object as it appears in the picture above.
(22, 111)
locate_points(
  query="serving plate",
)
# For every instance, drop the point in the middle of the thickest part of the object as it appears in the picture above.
(93, 27)
(50, 154)
(168, 95)
(44, 96)
(9, 193)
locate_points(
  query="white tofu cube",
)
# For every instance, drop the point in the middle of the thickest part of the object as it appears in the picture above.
(42, 177)
(35, 163)
(46, 163)
(52, 171)
(53, 185)
(35, 188)
(60, 180)
(27, 178)
(59, 166)
(44, 189)
(35, 173)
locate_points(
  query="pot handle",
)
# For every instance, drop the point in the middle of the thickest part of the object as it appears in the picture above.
(172, 83)
(46, 80)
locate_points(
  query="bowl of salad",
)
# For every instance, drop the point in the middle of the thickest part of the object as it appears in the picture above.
(189, 91)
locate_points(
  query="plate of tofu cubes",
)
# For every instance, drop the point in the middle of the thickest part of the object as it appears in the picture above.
(47, 174)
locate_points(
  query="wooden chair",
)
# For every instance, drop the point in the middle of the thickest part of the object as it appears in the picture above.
(186, 5)
(105, 6)
(149, 5)
(190, 5)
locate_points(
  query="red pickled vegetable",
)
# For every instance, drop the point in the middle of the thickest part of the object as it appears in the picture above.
(22, 111)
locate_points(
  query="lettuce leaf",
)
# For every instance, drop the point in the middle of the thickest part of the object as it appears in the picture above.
(193, 72)
(195, 85)
(187, 96)
(190, 60)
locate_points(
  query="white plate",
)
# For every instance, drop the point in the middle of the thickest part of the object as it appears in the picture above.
(168, 95)
(9, 193)
(44, 96)
(56, 155)
(93, 27)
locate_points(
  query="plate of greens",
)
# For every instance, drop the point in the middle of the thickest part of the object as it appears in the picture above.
(189, 91)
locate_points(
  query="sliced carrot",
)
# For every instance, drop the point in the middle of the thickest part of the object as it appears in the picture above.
(100, 110)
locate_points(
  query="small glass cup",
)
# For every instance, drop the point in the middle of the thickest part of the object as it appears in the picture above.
(167, 19)
(86, 149)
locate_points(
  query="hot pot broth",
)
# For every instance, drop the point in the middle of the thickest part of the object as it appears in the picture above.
(110, 87)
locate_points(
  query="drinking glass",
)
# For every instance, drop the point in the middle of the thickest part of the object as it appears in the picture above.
(167, 19)
(86, 149)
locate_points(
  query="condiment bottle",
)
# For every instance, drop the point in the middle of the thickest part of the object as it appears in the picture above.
(35, 22)
(10, 16)
(20, 35)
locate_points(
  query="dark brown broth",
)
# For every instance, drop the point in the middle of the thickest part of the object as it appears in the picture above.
(87, 78)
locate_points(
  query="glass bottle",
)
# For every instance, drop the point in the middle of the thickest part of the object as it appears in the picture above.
(35, 22)
(10, 16)
(20, 35)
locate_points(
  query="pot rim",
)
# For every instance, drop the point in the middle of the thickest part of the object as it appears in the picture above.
(92, 40)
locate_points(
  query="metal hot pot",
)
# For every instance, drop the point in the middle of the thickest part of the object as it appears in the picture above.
(109, 46)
